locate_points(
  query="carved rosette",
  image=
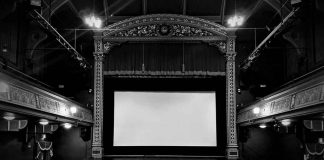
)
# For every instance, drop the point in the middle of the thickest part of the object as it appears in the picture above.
(232, 148)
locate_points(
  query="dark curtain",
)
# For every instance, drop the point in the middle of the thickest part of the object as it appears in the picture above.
(165, 57)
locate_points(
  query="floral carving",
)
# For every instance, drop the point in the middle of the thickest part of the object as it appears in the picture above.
(156, 30)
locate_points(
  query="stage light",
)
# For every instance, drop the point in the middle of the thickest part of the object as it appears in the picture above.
(93, 21)
(9, 116)
(67, 125)
(286, 122)
(263, 126)
(43, 122)
(73, 110)
(256, 110)
(235, 21)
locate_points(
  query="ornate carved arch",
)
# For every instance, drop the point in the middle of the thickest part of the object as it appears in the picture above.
(165, 27)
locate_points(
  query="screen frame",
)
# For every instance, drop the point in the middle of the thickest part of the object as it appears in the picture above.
(213, 93)
(216, 85)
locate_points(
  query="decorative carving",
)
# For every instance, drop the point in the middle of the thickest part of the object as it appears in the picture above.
(220, 44)
(98, 104)
(156, 30)
(107, 47)
(99, 56)
(147, 20)
(232, 151)
(308, 96)
(98, 45)
(303, 98)
(230, 44)
(22, 96)
(48, 105)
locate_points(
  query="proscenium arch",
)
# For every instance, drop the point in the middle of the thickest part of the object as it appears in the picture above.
(165, 27)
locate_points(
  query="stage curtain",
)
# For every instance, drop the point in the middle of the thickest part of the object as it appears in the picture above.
(165, 57)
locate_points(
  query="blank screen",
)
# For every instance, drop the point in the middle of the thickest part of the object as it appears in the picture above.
(165, 119)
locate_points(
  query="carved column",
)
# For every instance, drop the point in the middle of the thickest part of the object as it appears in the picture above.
(97, 148)
(232, 147)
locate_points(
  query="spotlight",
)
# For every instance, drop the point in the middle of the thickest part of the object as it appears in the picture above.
(73, 110)
(67, 125)
(286, 122)
(235, 21)
(263, 126)
(9, 116)
(256, 110)
(93, 21)
(43, 122)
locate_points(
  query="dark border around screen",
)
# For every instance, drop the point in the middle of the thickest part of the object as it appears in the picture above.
(165, 84)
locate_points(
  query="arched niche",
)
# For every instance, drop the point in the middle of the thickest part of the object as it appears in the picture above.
(164, 27)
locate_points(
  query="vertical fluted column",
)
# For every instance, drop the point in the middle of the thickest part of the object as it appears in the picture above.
(232, 147)
(97, 132)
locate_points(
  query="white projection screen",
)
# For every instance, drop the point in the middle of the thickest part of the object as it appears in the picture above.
(164, 119)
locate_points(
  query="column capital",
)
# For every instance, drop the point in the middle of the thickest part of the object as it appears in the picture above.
(99, 56)
(230, 56)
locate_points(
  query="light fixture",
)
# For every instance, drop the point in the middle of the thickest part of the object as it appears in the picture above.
(43, 122)
(73, 110)
(263, 126)
(9, 116)
(67, 125)
(235, 21)
(286, 122)
(256, 110)
(93, 21)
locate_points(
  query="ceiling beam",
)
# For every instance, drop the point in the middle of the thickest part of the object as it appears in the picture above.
(52, 7)
(279, 7)
(256, 52)
(223, 11)
(184, 7)
(46, 25)
(106, 9)
(144, 3)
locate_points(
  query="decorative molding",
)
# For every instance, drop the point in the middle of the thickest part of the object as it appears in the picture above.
(27, 96)
(232, 147)
(163, 74)
(165, 19)
(97, 150)
(221, 45)
(164, 27)
(160, 30)
(290, 99)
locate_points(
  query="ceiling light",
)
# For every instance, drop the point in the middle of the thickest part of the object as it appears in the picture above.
(43, 122)
(235, 21)
(67, 125)
(263, 126)
(93, 21)
(256, 110)
(9, 116)
(286, 122)
(73, 110)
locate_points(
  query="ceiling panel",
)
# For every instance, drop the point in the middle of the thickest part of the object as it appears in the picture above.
(204, 8)
(165, 6)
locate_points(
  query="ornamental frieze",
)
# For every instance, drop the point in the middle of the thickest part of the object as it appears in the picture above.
(148, 20)
(160, 30)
